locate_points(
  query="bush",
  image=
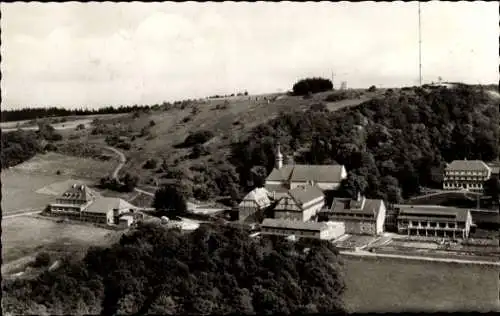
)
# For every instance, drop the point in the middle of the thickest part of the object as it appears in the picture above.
(124, 145)
(199, 137)
(80, 127)
(152, 123)
(50, 147)
(42, 259)
(372, 89)
(150, 164)
(312, 85)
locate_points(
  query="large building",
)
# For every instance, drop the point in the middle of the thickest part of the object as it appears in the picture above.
(81, 203)
(433, 221)
(323, 230)
(466, 174)
(300, 204)
(286, 177)
(361, 215)
(253, 205)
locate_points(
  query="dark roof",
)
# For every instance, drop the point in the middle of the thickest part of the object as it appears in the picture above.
(278, 188)
(467, 165)
(431, 212)
(298, 225)
(304, 173)
(346, 205)
(305, 193)
(78, 192)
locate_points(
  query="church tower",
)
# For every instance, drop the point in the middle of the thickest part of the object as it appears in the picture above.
(279, 158)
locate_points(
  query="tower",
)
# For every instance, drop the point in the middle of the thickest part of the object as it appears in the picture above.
(279, 158)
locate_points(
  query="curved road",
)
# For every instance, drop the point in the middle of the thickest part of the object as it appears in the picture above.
(123, 159)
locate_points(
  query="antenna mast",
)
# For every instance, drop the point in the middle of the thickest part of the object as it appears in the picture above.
(419, 48)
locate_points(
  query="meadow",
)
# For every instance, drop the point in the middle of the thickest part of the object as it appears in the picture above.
(397, 285)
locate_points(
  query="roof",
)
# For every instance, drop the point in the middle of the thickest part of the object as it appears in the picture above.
(467, 165)
(297, 225)
(259, 195)
(305, 193)
(304, 173)
(105, 204)
(371, 206)
(278, 188)
(78, 192)
(432, 211)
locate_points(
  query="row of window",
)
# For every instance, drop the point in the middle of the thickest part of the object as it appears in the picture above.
(463, 185)
(475, 173)
(353, 215)
(430, 224)
(64, 201)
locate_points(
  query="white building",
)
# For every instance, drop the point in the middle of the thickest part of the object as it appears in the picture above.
(300, 204)
(466, 174)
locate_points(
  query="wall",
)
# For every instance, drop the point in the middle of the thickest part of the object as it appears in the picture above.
(381, 219)
(360, 227)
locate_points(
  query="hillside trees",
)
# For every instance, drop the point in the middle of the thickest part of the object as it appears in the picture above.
(18, 146)
(312, 85)
(170, 200)
(215, 269)
(391, 145)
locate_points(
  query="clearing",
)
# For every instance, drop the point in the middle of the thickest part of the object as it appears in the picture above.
(397, 285)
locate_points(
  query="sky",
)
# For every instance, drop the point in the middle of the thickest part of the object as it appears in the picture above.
(100, 54)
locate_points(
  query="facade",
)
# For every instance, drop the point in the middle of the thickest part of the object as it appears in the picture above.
(80, 203)
(434, 221)
(361, 216)
(253, 205)
(287, 177)
(323, 230)
(300, 204)
(466, 174)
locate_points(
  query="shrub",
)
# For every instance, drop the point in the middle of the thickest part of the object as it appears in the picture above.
(150, 164)
(372, 89)
(80, 127)
(312, 85)
(199, 137)
(152, 123)
(50, 147)
(124, 145)
(42, 259)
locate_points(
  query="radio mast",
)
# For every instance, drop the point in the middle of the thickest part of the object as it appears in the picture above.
(419, 48)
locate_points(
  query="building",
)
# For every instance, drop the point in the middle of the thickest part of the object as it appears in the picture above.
(466, 174)
(80, 203)
(495, 168)
(323, 230)
(253, 205)
(434, 221)
(286, 177)
(300, 204)
(361, 216)
(73, 201)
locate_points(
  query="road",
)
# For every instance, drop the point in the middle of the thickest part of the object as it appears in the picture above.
(362, 253)
(123, 159)
(21, 213)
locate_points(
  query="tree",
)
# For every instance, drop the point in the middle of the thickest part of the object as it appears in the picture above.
(492, 188)
(312, 85)
(170, 200)
(42, 259)
(372, 89)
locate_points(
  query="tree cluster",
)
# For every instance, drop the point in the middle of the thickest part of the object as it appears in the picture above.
(391, 146)
(18, 146)
(126, 183)
(312, 85)
(214, 270)
(199, 137)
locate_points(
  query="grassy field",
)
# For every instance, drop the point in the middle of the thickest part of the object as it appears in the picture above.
(391, 285)
(34, 183)
(22, 236)
(69, 166)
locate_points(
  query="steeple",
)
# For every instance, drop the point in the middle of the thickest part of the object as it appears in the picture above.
(279, 158)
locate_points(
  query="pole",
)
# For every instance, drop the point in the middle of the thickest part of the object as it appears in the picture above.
(419, 48)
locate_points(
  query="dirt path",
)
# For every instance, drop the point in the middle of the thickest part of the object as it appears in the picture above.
(123, 159)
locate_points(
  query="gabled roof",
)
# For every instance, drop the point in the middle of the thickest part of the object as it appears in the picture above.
(278, 188)
(105, 204)
(259, 195)
(467, 165)
(305, 193)
(297, 225)
(282, 174)
(432, 212)
(346, 205)
(304, 173)
(78, 192)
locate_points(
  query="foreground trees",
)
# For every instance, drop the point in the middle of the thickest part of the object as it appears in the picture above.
(214, 270)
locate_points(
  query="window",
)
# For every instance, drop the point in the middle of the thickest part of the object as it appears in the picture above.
(451, 225)
(432, 224)
(414, 223)
(442, 225)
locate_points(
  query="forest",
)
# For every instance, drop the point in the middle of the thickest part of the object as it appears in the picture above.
(391, 145)
(213, 270)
